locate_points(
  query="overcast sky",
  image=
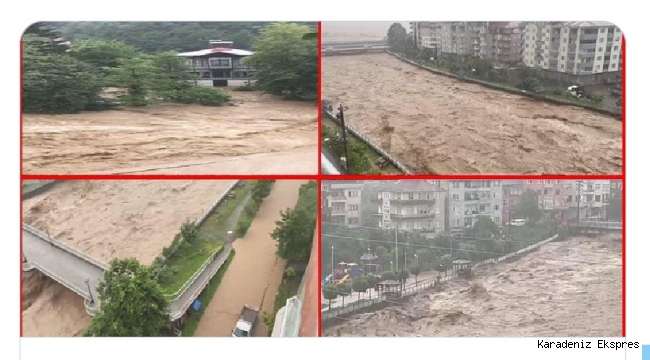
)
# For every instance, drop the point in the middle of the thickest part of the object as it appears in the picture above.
(357, 30)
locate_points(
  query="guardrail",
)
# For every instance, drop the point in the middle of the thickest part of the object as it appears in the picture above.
(43, 236)
(206, 263)
(415, 288)
(220, 200)
(196, 293)
(371, 144)
(41, 188)
(59, 279)
(616, 114)
(601, 224)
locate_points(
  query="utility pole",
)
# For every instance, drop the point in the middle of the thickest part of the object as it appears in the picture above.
(332, 280)
(345, 139)
(509, 221)
(396, 252)
(579, 182)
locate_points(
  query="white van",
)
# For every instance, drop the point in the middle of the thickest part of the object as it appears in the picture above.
(517, 222)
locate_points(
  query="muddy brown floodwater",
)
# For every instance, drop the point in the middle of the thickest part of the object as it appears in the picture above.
(255, 273)
(437, 124)
(569, 288)
(107, 220)
(259, 134)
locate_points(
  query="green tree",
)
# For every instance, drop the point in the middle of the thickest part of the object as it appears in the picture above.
(132, 303)
(134, 74)
(359, 285)
(330, 293)
(55, 84)
(388, 275)
(285, 63)
(372, 281)
(381, 250)
(294, 232)
(102, 54)
(528, 205)
(397, 37)
(189, 232)
(403, 275)
(52, 42)
(415, 270)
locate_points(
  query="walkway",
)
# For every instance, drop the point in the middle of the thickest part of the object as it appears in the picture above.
(255, 274)
(71, 268)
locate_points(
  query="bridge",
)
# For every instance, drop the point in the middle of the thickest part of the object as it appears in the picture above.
(82, 274)
(597, 227)
(353, 47)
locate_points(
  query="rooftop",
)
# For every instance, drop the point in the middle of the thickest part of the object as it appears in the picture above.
(228, 51)
(582, 24)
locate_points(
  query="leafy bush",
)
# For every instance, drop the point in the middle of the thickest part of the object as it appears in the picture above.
(261, 189)
(247, 87)
(199, 95)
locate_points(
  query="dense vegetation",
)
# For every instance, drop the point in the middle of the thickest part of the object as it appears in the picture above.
(59, 77)
(159, 36)
(294, 232)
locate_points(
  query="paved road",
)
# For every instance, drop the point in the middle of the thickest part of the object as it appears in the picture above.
(61, 265)
(69, 267)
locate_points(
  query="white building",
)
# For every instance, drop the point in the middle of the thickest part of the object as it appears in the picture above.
(583, 49)
(591, 197)
(411, 205)
(469, 200)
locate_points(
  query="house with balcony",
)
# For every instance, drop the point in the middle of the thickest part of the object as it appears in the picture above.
(220, 65)
(587, 198)
(582, 52)
(411, 205)
(512, 190)
(551, 195)
(469, 200)
(341, 202)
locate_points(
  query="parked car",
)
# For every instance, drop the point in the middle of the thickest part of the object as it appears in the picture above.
(576, 91)
(517, 222)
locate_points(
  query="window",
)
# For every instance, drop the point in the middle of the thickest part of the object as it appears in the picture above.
(437, 224)
(562, 57)
(497, 220)
(455, 197)
(353, 207)
(200, 63)
(437, 210)
(352, 194)
(600, 49)
(597, 198)
(220, 62)
(436, 195)
(601, 40)
(557, 191)
(597, 186)
(615, 48)
(496, 207)
(455, 184)
(454, 209)
(599, 57)
(353, 221)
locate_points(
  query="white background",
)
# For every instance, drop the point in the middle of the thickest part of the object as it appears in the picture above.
(625, 14)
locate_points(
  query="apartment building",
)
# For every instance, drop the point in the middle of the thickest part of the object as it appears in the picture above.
(469, 200)
(411, 205)
(587, 198)
(512, 190)
(551, 194)
(341, 202)
(585, 52)
(499, 42)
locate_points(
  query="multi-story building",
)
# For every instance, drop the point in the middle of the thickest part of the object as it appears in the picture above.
(341, 202)
(469, 200)
(551, 194)
(499, 42)
(411, 205)
(220, 65)
(512, 190)
(585, 52)
(587, 198)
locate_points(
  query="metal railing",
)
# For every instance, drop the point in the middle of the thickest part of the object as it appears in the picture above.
(425, 285)
(63, 246)
(226, 253)
(369, 142)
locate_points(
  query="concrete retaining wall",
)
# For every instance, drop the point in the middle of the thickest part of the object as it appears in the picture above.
(615, 114)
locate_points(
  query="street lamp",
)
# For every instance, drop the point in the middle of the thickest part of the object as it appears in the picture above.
(87, 281)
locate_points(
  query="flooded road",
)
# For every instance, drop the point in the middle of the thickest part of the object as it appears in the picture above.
(258, 134)
(568, 288)
(255, 273)
(437, 124)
